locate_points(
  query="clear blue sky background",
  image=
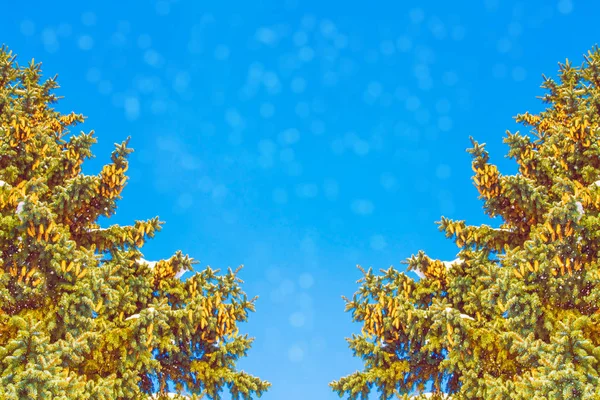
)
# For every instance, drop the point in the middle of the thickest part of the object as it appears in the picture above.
(300, 138)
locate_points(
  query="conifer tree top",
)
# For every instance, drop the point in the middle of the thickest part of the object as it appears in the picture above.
(516, 314)
(82, 314)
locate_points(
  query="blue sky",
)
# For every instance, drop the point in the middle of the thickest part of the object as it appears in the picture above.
(300, 138)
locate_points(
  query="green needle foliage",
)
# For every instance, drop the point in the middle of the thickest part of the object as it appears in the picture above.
(82, 314)
(517, 314)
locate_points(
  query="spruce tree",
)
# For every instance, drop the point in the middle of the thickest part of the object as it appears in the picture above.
(516, 315)
(82, 314)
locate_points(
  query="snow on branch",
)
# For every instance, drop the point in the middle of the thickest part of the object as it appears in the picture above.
(449, 264)
(462, 316)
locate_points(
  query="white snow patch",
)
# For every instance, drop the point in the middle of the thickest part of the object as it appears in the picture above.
(419, 273)
(579, 209)
(151, 264)
(463, 316)
(170, 395)
(134, 316)
(96, 229)
(449, 264)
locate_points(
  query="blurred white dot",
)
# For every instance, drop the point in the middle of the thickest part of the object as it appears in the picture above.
(93, 75)
(118, 39)
(330, 78)
(306, 281)
(152, 58)
(503, 45)
(287, 287)
(412, 103)
(132, 108)
(297, 319)
(421, 71)
(308, 246)
(307, 190)
(327, 28)
(219, 192)
(437, 28)
(233, 118)
(300, 38)
(265, 161)
(144, 41)
(338, 146)
(273, 275)
(64, 30)
(298, 85)
(378, 242)
(499, 71)
(205, 184)
(162, 8)
(185, 201)
(306, 54)
(416, 15)
(458, 32)
(271, 81)
(124, 27)
(442, 106)
(49, 39)
(302, 109)
(374, 89)
(446, 202)
(317, 343)
(289, 136)
(450, 78)
(340, 41)
(388, 181)
(308, 22)
(304, 300)
(422, 116)
(443, 171)
(266, 35)
(158, 106)
(361, 147)
(403, 43)
(519, 74)
(27, 27)
(317, 127)
(88, 18)
(362, 207)
(425, 83)
(565, 6)
(287, 155)
(445, 123)
(229, 217)
(387, 48)
(181, 82)
(515, 29)
(295, 354)
(267, 110)
(221, 52)
(331, 189)
(280, 196)
(293, 169)
(235, 138)
(104, 87)
(491, 5)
